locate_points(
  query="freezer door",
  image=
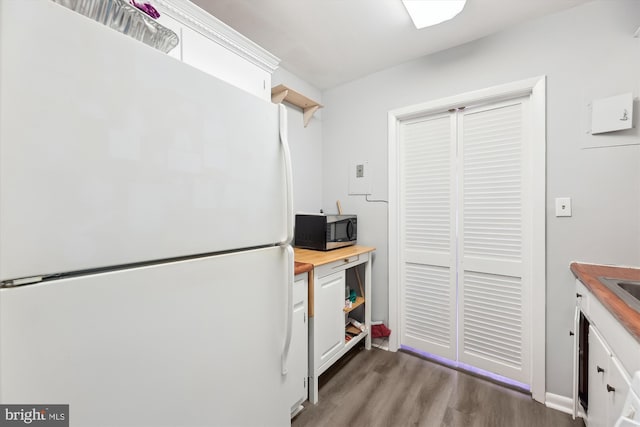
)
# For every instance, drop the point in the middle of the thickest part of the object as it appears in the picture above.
(192, 343)
(112, 152)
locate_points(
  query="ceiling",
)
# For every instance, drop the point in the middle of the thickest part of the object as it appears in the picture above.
(330, 42)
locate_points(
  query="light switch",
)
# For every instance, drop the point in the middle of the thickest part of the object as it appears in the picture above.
(563, 206)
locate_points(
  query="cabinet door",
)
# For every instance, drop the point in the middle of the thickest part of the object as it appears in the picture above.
(599, 357)
(212, 58)
(297, 377)
(328, 316)
(176, 27)
(618, 388)
(576, 356)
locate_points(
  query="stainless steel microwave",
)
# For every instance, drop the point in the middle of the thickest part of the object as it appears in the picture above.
(325, 232)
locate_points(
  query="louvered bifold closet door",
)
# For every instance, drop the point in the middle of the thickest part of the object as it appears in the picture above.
(427, 176)
(493, 281)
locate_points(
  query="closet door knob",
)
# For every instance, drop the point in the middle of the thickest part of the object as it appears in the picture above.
(599, 369)
(610, 389)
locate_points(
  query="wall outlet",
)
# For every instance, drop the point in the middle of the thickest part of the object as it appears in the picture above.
(359, 178)
(563, 206)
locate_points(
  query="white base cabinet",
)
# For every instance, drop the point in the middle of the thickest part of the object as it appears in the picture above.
(618, 384)
(608, 383)
(613, 354)
(298, 368)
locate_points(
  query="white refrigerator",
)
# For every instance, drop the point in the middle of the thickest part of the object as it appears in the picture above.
(145, 222)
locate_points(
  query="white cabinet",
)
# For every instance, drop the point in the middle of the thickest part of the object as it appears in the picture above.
(612, 355)
(210, 45)
(608, 383)
(212, 58)
(334, 274)
(297, 375)
(617, 387)
(599, 357)
(176, 27)
(328, 330)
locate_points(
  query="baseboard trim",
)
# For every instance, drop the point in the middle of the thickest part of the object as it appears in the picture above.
(559, 403)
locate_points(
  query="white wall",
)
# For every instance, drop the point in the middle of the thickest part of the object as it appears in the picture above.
(306, 145)
(587, 52)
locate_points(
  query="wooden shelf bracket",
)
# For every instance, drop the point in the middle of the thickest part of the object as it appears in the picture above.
(277, 98)
(307, 113)
(282, 93)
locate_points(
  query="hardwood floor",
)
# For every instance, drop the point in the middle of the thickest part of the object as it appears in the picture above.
(380, 388)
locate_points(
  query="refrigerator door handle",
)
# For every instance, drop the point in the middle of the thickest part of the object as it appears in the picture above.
(289, 239)
(288, 173)
(289, 325)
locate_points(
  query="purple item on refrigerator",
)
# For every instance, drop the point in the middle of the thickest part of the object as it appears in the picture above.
(147, 8)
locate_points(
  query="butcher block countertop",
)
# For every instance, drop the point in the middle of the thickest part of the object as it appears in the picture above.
(589, 273)
(302, 267)
(317, 258)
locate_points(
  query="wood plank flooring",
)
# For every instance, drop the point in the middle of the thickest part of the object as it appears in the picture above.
(380, 388)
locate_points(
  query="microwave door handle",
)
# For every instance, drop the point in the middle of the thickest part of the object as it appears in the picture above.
(350, 230)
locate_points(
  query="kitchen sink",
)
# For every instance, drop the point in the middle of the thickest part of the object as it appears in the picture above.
(632, 287)
(627, 290)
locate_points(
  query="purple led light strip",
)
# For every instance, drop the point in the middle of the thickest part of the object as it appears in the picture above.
(469, 368)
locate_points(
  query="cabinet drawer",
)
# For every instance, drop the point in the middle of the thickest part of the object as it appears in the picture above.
(341, 264)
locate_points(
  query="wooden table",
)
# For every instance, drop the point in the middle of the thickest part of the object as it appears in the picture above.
(333, 271)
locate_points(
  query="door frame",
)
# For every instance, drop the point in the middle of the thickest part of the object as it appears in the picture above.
(535, 88)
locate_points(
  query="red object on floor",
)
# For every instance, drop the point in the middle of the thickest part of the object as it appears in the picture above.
(380, 331)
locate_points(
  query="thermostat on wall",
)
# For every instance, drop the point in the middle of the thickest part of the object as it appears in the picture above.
(612, 114)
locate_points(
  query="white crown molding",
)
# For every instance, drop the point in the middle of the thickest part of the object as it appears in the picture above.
(203, 22)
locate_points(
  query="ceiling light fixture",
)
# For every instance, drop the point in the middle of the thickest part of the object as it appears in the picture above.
(425, 13)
